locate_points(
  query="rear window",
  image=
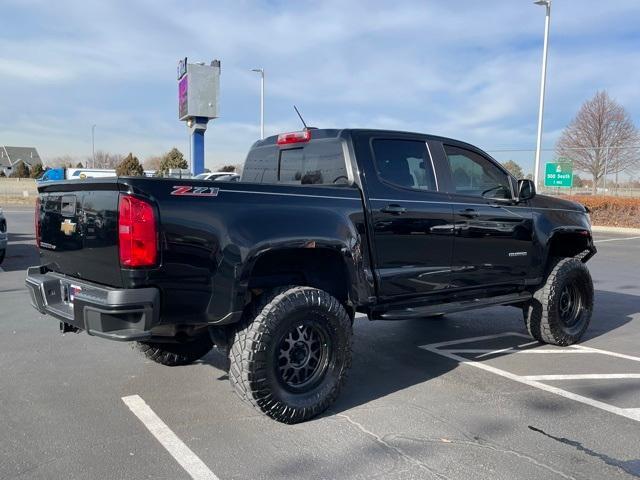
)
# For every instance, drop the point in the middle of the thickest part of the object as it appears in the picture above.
(261, 166)
(320, 162)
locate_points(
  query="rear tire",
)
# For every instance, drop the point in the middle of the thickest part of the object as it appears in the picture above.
(289, 357)
(560, 311)
(175, 354)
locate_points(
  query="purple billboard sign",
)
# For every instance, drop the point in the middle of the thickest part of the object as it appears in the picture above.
(183, 87)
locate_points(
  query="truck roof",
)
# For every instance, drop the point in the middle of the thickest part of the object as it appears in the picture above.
(321, 133)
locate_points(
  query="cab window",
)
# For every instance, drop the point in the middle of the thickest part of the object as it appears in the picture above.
(317, 163)
(405, 163)
(261, 166)
(473, 174)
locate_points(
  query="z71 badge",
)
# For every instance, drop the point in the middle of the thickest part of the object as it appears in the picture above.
(195, 191)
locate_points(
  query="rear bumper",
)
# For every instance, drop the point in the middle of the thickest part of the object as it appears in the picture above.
(122, 315)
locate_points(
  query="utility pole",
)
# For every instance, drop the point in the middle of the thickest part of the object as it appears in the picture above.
(543, 81)
(261, 72)
(93, 144)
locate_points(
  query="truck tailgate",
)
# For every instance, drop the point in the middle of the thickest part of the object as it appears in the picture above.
(78, 226)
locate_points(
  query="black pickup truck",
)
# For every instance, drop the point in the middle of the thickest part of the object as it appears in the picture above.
(323, 224)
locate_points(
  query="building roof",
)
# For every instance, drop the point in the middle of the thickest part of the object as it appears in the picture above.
(9, 156)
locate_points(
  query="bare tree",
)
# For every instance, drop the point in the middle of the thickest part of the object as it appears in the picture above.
(105, 160)
(61, 161)
(152, 163)
(598, 139)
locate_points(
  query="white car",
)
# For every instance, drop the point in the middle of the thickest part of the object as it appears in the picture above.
(219, 176)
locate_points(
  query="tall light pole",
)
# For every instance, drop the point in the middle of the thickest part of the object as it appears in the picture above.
(543, 81)
(93, 144)
(261, 72)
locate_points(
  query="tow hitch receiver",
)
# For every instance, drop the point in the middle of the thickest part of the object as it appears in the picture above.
(66, 328)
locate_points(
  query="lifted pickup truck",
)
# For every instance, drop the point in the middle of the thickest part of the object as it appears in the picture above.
(324, 224)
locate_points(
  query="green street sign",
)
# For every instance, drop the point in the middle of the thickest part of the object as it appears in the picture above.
(558, 174)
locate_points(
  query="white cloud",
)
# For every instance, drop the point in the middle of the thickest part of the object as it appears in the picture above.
(464, 69)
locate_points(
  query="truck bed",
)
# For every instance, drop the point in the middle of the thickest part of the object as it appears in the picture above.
(208, 234)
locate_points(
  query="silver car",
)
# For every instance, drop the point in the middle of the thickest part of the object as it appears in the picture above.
(3, 236)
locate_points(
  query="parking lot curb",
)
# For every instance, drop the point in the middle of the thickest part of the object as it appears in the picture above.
(602, 229)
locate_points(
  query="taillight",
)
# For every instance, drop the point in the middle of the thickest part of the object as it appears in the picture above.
(137, 233)
(36, 221)
(294, 137)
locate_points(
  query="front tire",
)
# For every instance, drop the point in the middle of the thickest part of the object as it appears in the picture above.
(289, 359)
(176, 354)
(560, 311)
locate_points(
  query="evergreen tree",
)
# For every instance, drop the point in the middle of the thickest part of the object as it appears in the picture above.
(37, 171)
(172, 159)
(129, 167)
(514, 169)
(21, 171)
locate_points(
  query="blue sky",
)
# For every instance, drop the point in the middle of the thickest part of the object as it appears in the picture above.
(464, 69)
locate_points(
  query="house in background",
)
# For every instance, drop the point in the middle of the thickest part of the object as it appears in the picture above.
(10, 157)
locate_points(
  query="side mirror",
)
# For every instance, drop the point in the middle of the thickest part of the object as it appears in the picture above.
(526, 190)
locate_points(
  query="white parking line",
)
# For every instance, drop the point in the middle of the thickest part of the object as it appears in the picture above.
(169, 440)
(607, 352)
(582, 376)
(488, 352)
(534, 381)
(615, 239)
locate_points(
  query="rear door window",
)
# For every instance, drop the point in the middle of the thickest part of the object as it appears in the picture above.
(406, 163)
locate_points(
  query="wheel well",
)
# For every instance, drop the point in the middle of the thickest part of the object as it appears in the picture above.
(568, 244)
(320, 268)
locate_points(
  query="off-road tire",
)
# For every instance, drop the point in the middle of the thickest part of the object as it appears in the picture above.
(176, 354)
(256, 368)
(543, 317)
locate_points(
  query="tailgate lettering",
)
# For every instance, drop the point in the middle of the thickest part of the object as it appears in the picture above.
(186, 190)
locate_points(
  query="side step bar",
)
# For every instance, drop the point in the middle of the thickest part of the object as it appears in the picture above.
(452, 307)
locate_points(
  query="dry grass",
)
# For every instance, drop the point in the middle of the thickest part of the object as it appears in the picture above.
(611, 211)
(16, 200)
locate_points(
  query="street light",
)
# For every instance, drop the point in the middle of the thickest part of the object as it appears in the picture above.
(93, 144)
(543, 81)
(261, 72)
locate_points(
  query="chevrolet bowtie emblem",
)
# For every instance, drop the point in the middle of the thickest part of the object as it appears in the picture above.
(68, 227)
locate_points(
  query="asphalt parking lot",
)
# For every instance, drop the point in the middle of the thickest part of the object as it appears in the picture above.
(466, 396)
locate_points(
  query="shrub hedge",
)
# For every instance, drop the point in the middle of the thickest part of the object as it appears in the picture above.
(611, 211)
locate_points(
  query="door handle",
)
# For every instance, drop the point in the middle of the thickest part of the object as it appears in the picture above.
(469, 213)
(394, 209)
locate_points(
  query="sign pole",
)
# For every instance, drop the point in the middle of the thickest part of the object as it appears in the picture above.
(198, 92)
(198, 127)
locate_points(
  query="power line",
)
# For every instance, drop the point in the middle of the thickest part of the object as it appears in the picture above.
(565, 148)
